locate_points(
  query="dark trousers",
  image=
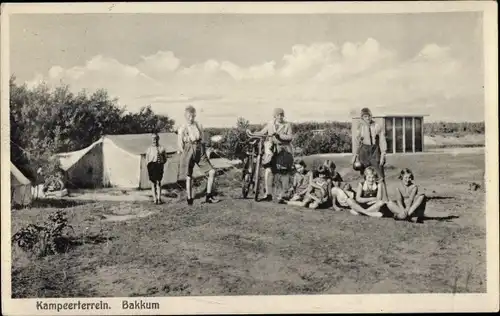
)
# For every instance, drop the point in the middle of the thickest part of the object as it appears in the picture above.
(369, 156)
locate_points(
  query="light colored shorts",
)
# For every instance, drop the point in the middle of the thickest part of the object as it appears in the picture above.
(343, 196)
(194, 154)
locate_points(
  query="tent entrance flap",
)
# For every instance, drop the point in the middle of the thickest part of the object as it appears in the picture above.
(121, 168)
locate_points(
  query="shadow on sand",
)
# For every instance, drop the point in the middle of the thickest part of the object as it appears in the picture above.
(52, 203)
(439, 197)
(64, 243)
(447, 218)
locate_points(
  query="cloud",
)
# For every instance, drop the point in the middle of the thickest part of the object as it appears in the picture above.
(305, 60)
(265, 70)
(102, 72)
(320, 81)
(433, 51)
(160, 65)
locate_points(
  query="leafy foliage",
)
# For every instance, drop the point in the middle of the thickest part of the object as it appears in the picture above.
(331, 140)
(456, 129)
(45, 121)
(145, 121)
(45, 239)
(234, 140)
(333, 137)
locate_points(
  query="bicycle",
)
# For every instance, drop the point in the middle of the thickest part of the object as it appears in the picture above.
(252, 163)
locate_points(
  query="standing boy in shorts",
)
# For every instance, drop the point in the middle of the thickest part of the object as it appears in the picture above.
(371, 147)
(156, 158)
(193, 152)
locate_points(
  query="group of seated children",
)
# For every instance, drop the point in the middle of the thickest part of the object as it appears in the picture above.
(325, 188)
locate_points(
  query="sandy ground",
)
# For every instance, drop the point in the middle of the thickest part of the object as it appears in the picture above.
(242, 247)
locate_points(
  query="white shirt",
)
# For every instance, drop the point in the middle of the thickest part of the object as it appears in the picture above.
(154, 152)
(190, 133)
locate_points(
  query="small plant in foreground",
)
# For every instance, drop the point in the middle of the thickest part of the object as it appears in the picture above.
(45, 239)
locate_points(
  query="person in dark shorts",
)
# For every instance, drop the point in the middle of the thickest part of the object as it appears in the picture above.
(156, 157)
(193, 152)
(371, 147)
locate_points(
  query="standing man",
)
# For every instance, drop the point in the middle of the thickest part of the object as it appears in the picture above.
(280, 143)
(370, 147)
(191, 142)
(156, 158)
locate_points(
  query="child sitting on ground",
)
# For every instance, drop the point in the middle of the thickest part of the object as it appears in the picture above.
(333, 176)
(318, 193)
(409, 199)
(368, 196)
(342, 197)
(301, 181)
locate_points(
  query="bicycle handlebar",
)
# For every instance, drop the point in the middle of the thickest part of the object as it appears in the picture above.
(256, 135)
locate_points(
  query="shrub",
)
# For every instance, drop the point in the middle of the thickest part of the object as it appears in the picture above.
(45, 239)
(331, 140)
(234, 140)
(454, 128)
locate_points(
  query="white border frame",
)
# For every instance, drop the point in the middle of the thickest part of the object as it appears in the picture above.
(291, 303)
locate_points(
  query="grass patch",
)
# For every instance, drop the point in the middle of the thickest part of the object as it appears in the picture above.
(240, 247)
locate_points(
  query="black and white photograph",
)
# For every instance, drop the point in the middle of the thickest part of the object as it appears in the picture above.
(243, 154)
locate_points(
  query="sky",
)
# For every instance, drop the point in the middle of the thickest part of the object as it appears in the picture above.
(317, 67)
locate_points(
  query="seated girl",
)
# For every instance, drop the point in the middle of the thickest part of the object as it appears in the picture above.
(333, 176)
(408, 198)
(368, 196)
(336, 182)
(318, 192)
(341, 196)
(301, 181)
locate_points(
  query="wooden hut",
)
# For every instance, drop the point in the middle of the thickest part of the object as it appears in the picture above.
(404, 133)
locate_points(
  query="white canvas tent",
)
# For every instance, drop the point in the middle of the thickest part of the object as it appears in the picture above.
(20, 187)
(120, 161)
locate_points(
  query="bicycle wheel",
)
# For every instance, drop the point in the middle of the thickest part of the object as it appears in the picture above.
(256, 174)
(247, 178)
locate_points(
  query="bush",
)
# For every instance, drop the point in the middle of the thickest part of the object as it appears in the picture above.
(457, 129)
(335, 138)
(234, 140)
(331, 140)
(45, 239)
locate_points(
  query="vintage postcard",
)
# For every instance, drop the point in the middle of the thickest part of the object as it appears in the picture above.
(215, 158)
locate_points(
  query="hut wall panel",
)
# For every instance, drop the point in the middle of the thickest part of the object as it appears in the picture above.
(408, 134)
